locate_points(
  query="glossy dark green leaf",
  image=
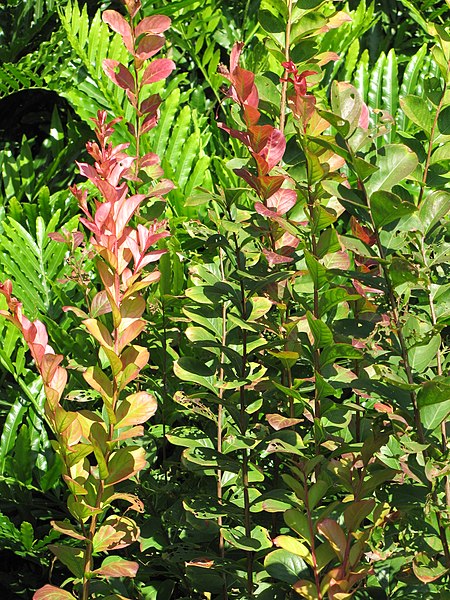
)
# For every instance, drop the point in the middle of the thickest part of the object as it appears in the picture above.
(285, 566)
(395, 162)
(387, 207)
(433, 400)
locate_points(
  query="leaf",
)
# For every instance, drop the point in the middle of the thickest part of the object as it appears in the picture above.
(67, 529)
(10, 428)
(236, 537)
(280, 422)
(157, 70)
(355, 514)
(433, 401)
(153, 24)
(418, 111)
(334, 534)
(421, 356)
(427, 569)
(347, 103)
(317, 271)
(387, 207)
(114, 566)
(50, 592)
(190, 369)
(433, 208)
(115, 532)
(308, 589)
(331, 353)
(260, 306)
(72, 558)
(124, 463)
(322, 334)
(292, 545)
(119, 74)
(395, 162)
(298, 521)
(285, 566)
(136, 409)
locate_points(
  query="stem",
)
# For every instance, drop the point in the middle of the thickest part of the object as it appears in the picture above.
(312, 539)
(219, 424)
(316, 352)
(287, 57)
(243, 424)
(164, 382)
(430, 146)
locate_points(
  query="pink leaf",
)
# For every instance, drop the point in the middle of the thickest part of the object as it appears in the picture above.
(114, 566)
(159, 69)
(121, 26)
(153, 24)
(50, 592)
(364, 117)
(119, 74)
(273, 258)
(136, 409)
(124, 463)
(149, 46)
(282, 200)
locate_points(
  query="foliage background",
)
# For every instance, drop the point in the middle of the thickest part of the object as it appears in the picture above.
(51, 84)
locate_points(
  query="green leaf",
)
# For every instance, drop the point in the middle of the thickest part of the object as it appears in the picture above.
(390, 88)
(420, 357)
(332, 353)
(433, 208)
(355, 514)
(125, 463)
(298, 521)
(317, 271)
(10, 428)
(433, 400)
(387, 207)
(418, 111)
(285, 566)
(395, 162)
(189, 437)
(236, 537)
(193, 370)
(72, 558)
(321, 332)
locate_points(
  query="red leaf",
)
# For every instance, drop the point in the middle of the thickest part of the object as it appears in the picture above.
(153, 24)
(114, 566)
(149, 46)
(151, 104)
(157, 70)
(121, 26)
(119, 74)
(362, 233)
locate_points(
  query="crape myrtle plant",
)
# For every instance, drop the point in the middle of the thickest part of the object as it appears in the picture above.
(96, 446)
(316, 318)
